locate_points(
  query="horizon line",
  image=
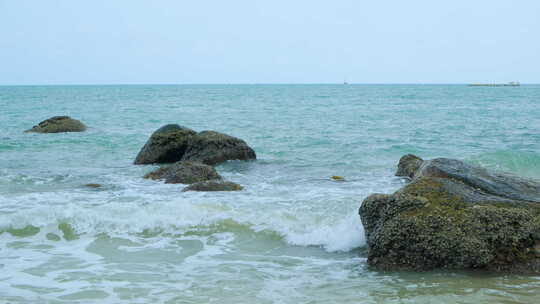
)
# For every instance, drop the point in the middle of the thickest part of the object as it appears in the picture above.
(256, 83)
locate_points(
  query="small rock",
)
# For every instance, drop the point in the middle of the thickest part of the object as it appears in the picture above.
(408, 165)
(58, 124)
(93, 185)
(184, 172)
(213, 185)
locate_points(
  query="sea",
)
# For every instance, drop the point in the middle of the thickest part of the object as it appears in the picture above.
(293, 235)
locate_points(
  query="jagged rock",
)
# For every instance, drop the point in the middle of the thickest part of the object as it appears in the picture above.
(213, 185)
(458, 216)
(213, 148)
(166, 145)
(58, 124)
(184, 172)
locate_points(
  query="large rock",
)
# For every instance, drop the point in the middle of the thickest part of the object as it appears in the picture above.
(212, 148)
(458, 216)
(213, 185)
(173, 143)
(184, 172)
(166, 145)
(58, 124)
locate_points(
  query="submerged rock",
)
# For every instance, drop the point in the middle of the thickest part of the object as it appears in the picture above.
(58, 124)
(92, 185)
(213, 148)
(173, 143)
(213, 185)
(455, 215)
(166, 145)
(184, 172)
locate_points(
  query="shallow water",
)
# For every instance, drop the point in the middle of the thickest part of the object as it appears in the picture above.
(292, 236)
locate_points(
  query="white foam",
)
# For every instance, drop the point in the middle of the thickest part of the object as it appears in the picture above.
(343, 236)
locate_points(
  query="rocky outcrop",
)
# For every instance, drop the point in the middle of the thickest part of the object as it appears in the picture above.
(58, 124)
(166, 145)
(213, 185)
(213, 148)
(173, 143)
(455, 215)
(184, 172)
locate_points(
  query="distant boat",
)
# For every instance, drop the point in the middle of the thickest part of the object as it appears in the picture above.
(345, 82)
(509, 84)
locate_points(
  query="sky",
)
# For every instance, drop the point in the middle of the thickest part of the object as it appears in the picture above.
(273, 41)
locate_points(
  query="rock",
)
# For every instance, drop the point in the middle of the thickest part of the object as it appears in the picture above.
(408, 164)
(458, 216)
(93, 185)
(184, 172)
(173, 143)
(213, 185)
(166, 145)
(502, 185)
(58, 124)
(212, 148)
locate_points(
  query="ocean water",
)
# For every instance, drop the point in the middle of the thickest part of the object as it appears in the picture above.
(292, 236)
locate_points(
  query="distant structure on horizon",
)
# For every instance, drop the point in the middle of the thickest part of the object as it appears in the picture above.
(509, 84)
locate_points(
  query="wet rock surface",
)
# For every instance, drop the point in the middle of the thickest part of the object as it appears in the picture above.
(184, 172)
(58, 124)
(172, 143)
(455, 215)
(408, 165)
(213, 185)
(213, 148)
(166, 145)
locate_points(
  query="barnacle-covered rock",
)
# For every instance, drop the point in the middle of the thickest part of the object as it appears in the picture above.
(458, 216)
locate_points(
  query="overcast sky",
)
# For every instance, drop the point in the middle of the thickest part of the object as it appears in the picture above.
(273, 41)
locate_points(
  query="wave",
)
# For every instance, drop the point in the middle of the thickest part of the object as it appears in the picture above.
(518, 162)
(178, 220)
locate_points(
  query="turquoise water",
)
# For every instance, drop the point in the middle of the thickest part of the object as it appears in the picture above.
(292, 236)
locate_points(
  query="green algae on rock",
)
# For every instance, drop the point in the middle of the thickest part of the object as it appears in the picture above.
(58, 124)
(172, 143)
(184, 172)
(213, 185)
(457, 216)
(166, 145)
(212, 148)
(408, 165)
